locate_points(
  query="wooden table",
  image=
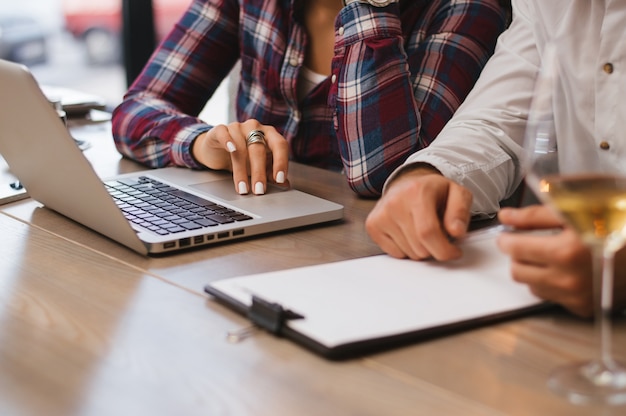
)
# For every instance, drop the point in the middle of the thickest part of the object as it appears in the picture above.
(88, 327)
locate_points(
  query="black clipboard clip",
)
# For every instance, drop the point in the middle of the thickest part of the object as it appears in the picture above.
(269, 316)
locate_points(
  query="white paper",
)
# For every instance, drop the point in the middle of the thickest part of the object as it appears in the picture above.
(377, 296)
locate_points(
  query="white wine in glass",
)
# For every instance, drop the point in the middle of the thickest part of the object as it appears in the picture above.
(589, 193)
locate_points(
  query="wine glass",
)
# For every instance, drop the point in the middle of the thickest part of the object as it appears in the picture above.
(590, 195)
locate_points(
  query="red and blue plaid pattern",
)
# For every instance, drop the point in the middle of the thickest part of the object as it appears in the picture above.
(398, 75)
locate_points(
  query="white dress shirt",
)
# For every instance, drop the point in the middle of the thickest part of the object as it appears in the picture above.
(480, 147)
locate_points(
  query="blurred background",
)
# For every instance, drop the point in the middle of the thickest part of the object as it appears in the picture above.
(77, 44)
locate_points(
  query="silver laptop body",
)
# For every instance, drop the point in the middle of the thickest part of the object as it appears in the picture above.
(41, 153)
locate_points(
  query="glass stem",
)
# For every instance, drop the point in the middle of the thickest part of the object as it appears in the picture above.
(603, 303)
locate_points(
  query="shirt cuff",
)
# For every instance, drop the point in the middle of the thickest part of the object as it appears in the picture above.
(181, 147)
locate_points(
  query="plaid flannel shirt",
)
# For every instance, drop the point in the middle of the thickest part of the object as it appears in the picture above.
(398, 74)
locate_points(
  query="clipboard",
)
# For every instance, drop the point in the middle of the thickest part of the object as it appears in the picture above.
(351, 308)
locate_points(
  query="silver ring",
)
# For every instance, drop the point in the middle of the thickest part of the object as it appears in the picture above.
(256, 136)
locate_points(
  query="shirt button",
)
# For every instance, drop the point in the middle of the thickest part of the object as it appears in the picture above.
(293, 61)
(608, 68)
(341, 31)
(333, 79)
(605, 145)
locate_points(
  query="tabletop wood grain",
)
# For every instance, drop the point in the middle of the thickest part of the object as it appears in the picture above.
(88, 327)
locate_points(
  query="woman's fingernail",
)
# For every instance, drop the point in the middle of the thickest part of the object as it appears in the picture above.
(243, 188)
(259, 189)
(280, 177)
(231, 147)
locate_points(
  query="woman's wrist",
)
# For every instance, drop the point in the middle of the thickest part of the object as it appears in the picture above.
(194, 146)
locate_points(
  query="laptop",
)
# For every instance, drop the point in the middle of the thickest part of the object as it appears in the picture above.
(152, 211)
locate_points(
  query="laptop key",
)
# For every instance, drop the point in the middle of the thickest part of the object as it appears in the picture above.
(205, 222)
(190, 225)
(241, 217)
(220, 219)
(192, 198)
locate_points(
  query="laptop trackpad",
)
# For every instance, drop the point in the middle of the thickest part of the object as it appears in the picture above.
(225, 189)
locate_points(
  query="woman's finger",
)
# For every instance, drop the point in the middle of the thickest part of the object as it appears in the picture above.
(239, 159)
(279, 158)
(257, 157)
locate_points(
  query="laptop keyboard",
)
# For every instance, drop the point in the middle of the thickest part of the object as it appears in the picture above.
(164, 209)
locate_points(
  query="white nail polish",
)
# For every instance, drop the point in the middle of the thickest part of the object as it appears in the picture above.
(280, 177)
(243, 188)
(259, 189)
(231, 147)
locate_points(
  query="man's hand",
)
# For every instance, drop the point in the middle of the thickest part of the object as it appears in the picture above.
(555, 267)
(419, 214)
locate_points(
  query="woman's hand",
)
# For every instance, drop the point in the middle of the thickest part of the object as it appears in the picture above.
(225, 147)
